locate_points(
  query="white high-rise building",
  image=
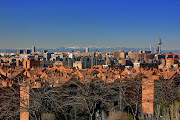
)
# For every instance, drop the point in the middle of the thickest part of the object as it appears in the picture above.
(87, 50)
(151, 48)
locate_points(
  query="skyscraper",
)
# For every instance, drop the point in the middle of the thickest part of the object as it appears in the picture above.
(33, 49)
(87, 50)
(159, 43)
(151, 48)
(27, 51)
(20, 51)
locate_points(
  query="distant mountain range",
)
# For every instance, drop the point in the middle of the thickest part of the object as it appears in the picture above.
(91, 49)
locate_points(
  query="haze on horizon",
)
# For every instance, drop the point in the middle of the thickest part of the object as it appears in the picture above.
(114, 23)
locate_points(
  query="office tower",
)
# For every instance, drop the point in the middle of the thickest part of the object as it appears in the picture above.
(20, 52)
(44, 51)
(70, 62)
(155, 49)
(151, 48)
(159, 43)
(33, 49)
(71, 55)
(28, 51)
(47, 56)
(87, 50)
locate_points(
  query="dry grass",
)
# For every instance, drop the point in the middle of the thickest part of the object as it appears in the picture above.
(48, 116)
(118, 116)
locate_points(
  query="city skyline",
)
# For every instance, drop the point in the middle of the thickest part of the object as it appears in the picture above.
(130, 24)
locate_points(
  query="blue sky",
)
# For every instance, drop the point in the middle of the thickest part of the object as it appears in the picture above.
(115, 23)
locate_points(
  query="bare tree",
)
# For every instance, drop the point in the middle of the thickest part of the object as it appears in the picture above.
(75, 99)
(166, 98)
(9, 104)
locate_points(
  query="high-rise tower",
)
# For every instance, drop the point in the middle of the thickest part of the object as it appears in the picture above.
(33, 49)
(159, 43)
(151, 48)
(87, 50)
